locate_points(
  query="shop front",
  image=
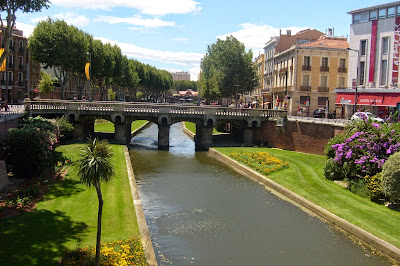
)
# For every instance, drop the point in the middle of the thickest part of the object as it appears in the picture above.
(379, 103)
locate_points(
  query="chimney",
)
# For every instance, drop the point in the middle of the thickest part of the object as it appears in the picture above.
(288, 33)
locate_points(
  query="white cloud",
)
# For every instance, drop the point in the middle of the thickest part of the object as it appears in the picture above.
(255, 36)
(137, 21)
(188, 60)
(150, 7)
(181, 39)
(69, 17)
(26, 28)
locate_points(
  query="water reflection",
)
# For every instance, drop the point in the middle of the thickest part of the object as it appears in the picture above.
(200, 212)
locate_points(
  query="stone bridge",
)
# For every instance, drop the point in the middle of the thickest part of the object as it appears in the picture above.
(83, 114)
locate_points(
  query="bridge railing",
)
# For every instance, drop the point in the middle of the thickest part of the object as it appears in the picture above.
(149, 108)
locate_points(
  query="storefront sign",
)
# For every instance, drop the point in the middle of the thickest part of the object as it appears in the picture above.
(373, 51)
(396, 47)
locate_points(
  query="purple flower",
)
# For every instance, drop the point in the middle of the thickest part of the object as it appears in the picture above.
(375, 125)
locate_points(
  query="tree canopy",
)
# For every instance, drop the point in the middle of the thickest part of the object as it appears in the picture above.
(226, 68)
(10, 7)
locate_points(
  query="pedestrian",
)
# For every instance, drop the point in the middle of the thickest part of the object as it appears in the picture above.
(5, 105)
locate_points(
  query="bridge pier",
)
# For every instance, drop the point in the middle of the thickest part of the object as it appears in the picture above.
(122, 133)
(203, 137)
(163, 136)
(82, 130)
(248, 136)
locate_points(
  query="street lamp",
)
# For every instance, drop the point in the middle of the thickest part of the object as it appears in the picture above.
(236, 95)
(355, 96)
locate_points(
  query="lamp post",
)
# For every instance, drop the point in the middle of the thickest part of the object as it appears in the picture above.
(236, 95)
(355, 95)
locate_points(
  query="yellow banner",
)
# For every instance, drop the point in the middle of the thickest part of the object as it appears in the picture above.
(87, 70)
(3, 66)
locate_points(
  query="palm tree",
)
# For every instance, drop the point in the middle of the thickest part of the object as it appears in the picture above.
(94, 166)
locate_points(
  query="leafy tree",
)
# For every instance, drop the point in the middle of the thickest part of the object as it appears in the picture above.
(391, 177)
(183, 85)
(10, 7)
(46, 85)
(61, 47)
(227, 67)
(111, 95)
(94, 166)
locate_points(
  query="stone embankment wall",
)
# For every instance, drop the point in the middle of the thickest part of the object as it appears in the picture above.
(302, 136)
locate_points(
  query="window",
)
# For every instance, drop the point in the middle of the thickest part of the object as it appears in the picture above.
(306, 80)
(390, 12)
(21, 45)
(305, 100)
(362, 73)
(322, 101)
(324, 81)
(356, 18)
(306, 60)
(363, 47)
(10, 76)
(373, 15)
(20, 78)
(324, 61)
(383, 72)
(382, 13)
(342, 63)
(398, 11)
(385, 45)
(342, 81)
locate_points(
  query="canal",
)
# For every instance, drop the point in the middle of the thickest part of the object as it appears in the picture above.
(200, 212)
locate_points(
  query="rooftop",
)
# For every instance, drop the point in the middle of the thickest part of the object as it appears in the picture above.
(374, 7)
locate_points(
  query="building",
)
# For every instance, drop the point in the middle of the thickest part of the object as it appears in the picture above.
(277, 45)
(180, 76)
(22, 74)
(307, 74)
(373, 83)
(255, 95)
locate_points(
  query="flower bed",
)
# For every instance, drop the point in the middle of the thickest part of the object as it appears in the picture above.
(128, 252)
(262, 162)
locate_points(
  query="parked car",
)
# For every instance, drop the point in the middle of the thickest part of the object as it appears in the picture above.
(320, 113)
(366, 115)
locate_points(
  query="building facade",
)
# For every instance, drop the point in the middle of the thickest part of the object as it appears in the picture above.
(180, 76)
(373, 83)
(20, 79)
(306, 75)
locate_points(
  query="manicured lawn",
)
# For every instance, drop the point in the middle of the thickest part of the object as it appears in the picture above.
(108, 127)
(192, 127)
(66, 218)
(305, 177)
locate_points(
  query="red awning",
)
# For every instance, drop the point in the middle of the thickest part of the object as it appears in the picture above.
(369, 99)
(391, 100)
(344, 98)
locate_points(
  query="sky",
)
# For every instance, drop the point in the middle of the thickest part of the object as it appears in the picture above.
(174, 34)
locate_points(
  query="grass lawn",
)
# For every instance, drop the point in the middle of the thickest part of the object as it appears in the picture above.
(108, 126)
(192, 127)
(66, 218)
(305, 177)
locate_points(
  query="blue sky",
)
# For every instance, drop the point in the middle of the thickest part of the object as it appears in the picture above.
(174, 34)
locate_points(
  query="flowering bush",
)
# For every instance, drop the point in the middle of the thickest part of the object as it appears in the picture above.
(364, 148)
(128, 252)
(29, 150)
(260, 161)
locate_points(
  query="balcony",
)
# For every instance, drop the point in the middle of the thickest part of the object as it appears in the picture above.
(342, 70)
(21, 50)
(283, 70)
(20, 83)
(10, 65)
(305, 88)
(10, 82)
(323, 89)
(21, 67)
(3, 82)
(324, 69)
(306, 67)
(11, 47)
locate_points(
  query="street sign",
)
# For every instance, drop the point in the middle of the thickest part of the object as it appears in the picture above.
(36, 90)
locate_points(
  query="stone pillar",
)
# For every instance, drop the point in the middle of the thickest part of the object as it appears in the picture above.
(122, 133)
(248, 136)
(82, 130)
(203, 137)
(163, 136)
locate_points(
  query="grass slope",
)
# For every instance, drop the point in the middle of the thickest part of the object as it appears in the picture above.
(305, 178)
(66, 218)
(109, 127)
(192, 127)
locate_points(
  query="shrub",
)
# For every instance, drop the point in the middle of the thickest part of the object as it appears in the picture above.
(65, 127)
(332, 170)
(358, 186)
(373, 184)
(329, 151)
(391, 177)
(364, 148)
(43, 123)
(29, 151)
